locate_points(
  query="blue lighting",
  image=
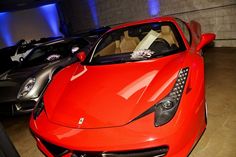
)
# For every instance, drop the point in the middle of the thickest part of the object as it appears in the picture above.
(93, 10)
(5, 34)
(154, 7)
(50, 14)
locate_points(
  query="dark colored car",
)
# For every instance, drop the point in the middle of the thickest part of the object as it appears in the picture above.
(10, 56)
(22, 86)
(5, 62)
(5, 55)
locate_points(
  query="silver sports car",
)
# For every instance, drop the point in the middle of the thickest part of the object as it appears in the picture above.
(21, 87)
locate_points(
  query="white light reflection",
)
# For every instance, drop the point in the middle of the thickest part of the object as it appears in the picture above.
(64, 134)
(138, 84)
(150, 139)
(79, 74)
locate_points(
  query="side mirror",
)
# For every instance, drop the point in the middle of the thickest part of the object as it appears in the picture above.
(74, 49)
(81, 56)
(205, 39)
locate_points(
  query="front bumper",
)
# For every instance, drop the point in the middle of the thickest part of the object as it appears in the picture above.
(9, 104)
(170, 140)
(17, 107)
(52, 150)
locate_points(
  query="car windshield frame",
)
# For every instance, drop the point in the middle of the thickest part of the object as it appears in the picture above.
(112, 59)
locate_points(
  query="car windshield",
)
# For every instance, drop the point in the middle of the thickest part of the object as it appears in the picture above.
(135, 43)
(45, 54)
(52, 52)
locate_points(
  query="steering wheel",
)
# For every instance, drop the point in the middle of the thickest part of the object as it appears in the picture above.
(163, 41)
(160, 45)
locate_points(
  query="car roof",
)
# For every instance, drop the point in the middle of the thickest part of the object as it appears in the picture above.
(158, 19)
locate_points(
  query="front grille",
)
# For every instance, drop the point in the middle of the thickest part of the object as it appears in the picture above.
(15, 107)
(150, 152)
(26, 105)
(54, 150)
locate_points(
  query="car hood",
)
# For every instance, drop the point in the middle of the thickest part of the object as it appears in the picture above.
(101, 96)
(11, 81)
(21, 73)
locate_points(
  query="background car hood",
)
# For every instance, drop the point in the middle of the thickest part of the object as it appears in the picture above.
(109, 95)
(21, 73)
(11, 81)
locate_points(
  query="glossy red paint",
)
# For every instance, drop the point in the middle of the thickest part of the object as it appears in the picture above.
(205, 39)
(89, 108)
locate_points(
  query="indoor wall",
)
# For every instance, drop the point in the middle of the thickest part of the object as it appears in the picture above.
(28, 24)
(215, 16)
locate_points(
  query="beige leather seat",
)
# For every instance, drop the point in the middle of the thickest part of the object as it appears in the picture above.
(128, 44)
(117, 49)
(168, 35)
(111, 49)
(108, 50)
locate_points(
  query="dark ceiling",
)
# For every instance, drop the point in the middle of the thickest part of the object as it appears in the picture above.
(13, 5)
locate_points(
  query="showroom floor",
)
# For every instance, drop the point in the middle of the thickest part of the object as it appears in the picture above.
(219, 138)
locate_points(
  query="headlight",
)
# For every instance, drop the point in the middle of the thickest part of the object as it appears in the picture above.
(165, 109)
(38, 109)
(26, 88)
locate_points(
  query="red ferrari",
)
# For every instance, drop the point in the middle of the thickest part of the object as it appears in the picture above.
(138, 93)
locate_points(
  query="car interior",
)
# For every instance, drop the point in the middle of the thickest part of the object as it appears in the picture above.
(131, 40)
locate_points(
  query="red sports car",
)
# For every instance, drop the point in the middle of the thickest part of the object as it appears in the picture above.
(139, 93)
